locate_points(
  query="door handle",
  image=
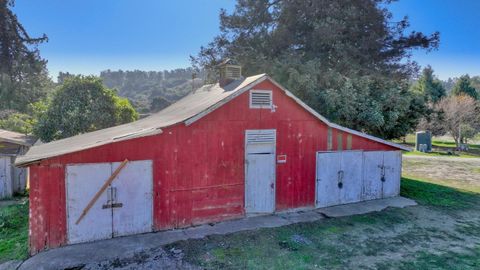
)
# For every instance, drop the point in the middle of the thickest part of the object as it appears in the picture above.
(340, 179)
(272, 185)
(382, 174)
(109, 195)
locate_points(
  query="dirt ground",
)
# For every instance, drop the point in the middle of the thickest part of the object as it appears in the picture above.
(452, 171)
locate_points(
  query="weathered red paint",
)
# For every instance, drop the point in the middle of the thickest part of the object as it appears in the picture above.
(199, 171)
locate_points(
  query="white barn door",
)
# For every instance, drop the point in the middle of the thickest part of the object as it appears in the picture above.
(260, 171)
(136, 195)
(392, 165)
(372, 175)
(83, 182)
(382, 173)
(124, 208)
(5, 177)
(352, 184)
(352, 176)
(328, 168)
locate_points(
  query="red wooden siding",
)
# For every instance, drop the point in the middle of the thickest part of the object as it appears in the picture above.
(199, 171)
(47, 226)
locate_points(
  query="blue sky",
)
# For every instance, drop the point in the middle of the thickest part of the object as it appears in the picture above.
(87, 36)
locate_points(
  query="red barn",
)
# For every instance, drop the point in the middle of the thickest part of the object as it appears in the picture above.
(227, 150)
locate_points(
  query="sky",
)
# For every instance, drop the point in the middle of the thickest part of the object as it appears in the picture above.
(88, 36)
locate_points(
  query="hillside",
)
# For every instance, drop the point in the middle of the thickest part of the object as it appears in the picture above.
(143, 87)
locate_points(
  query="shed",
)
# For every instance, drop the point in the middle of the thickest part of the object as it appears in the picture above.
(12, 179)
(245, 146)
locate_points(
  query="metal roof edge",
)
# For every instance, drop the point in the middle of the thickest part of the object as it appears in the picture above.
(14, 142)
(22, 162)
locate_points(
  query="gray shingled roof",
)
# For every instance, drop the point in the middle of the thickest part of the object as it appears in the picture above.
(188, 109)
(16, 138)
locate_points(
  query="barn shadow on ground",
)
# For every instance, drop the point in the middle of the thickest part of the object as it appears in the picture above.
(432, 194)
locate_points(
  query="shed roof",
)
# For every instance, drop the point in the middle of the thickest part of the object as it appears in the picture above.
(189, 109)
(16, 138)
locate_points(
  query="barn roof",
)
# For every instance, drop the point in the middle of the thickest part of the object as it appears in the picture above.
(189, 109)
(16, 138)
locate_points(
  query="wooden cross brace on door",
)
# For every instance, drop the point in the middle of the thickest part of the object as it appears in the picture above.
(101, 190)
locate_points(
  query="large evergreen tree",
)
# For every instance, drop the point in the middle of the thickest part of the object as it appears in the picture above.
(464, 87)
(23, 74)
(346, 59)
(430, 86)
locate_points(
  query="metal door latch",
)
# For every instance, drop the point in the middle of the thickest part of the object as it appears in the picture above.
(382, 173)
(340, 179)
(112, 199)
(112, 205)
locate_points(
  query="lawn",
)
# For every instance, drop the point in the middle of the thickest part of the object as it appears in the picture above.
(14, 231)
(442, 232)
(443, 146)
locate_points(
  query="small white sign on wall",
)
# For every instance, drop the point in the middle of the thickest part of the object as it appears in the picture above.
(281, 159)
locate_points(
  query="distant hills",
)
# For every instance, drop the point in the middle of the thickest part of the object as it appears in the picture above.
(149, 91)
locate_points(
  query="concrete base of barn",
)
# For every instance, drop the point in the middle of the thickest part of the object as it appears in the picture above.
(79, 255)
(365, 207)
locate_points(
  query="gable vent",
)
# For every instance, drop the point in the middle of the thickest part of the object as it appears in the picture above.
(260, 136)
(261, 99)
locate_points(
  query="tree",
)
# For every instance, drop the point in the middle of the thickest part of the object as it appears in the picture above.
(349, 51)
(430, 86)
(464, 87)
(62, 76)
(158, 104)
(81, 104)
(23, 74)
(17, 122)
(458, 112)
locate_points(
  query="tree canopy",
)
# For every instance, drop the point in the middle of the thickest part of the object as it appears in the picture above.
(346, 59)
(81, 104)
(463, 86)
(23, 74)
(431, 87)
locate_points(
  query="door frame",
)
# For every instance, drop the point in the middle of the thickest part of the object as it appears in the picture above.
(245, 157)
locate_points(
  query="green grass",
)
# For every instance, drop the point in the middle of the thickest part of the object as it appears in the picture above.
(430, 194)
(449, 260)
(442, 148)
(14, 232)
(356, 242)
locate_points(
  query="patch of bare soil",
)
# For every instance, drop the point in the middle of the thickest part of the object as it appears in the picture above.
(153, 259)
(460, 172)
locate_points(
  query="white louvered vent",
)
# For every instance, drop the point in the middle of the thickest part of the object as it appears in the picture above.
(261, 99)
(260, 136)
